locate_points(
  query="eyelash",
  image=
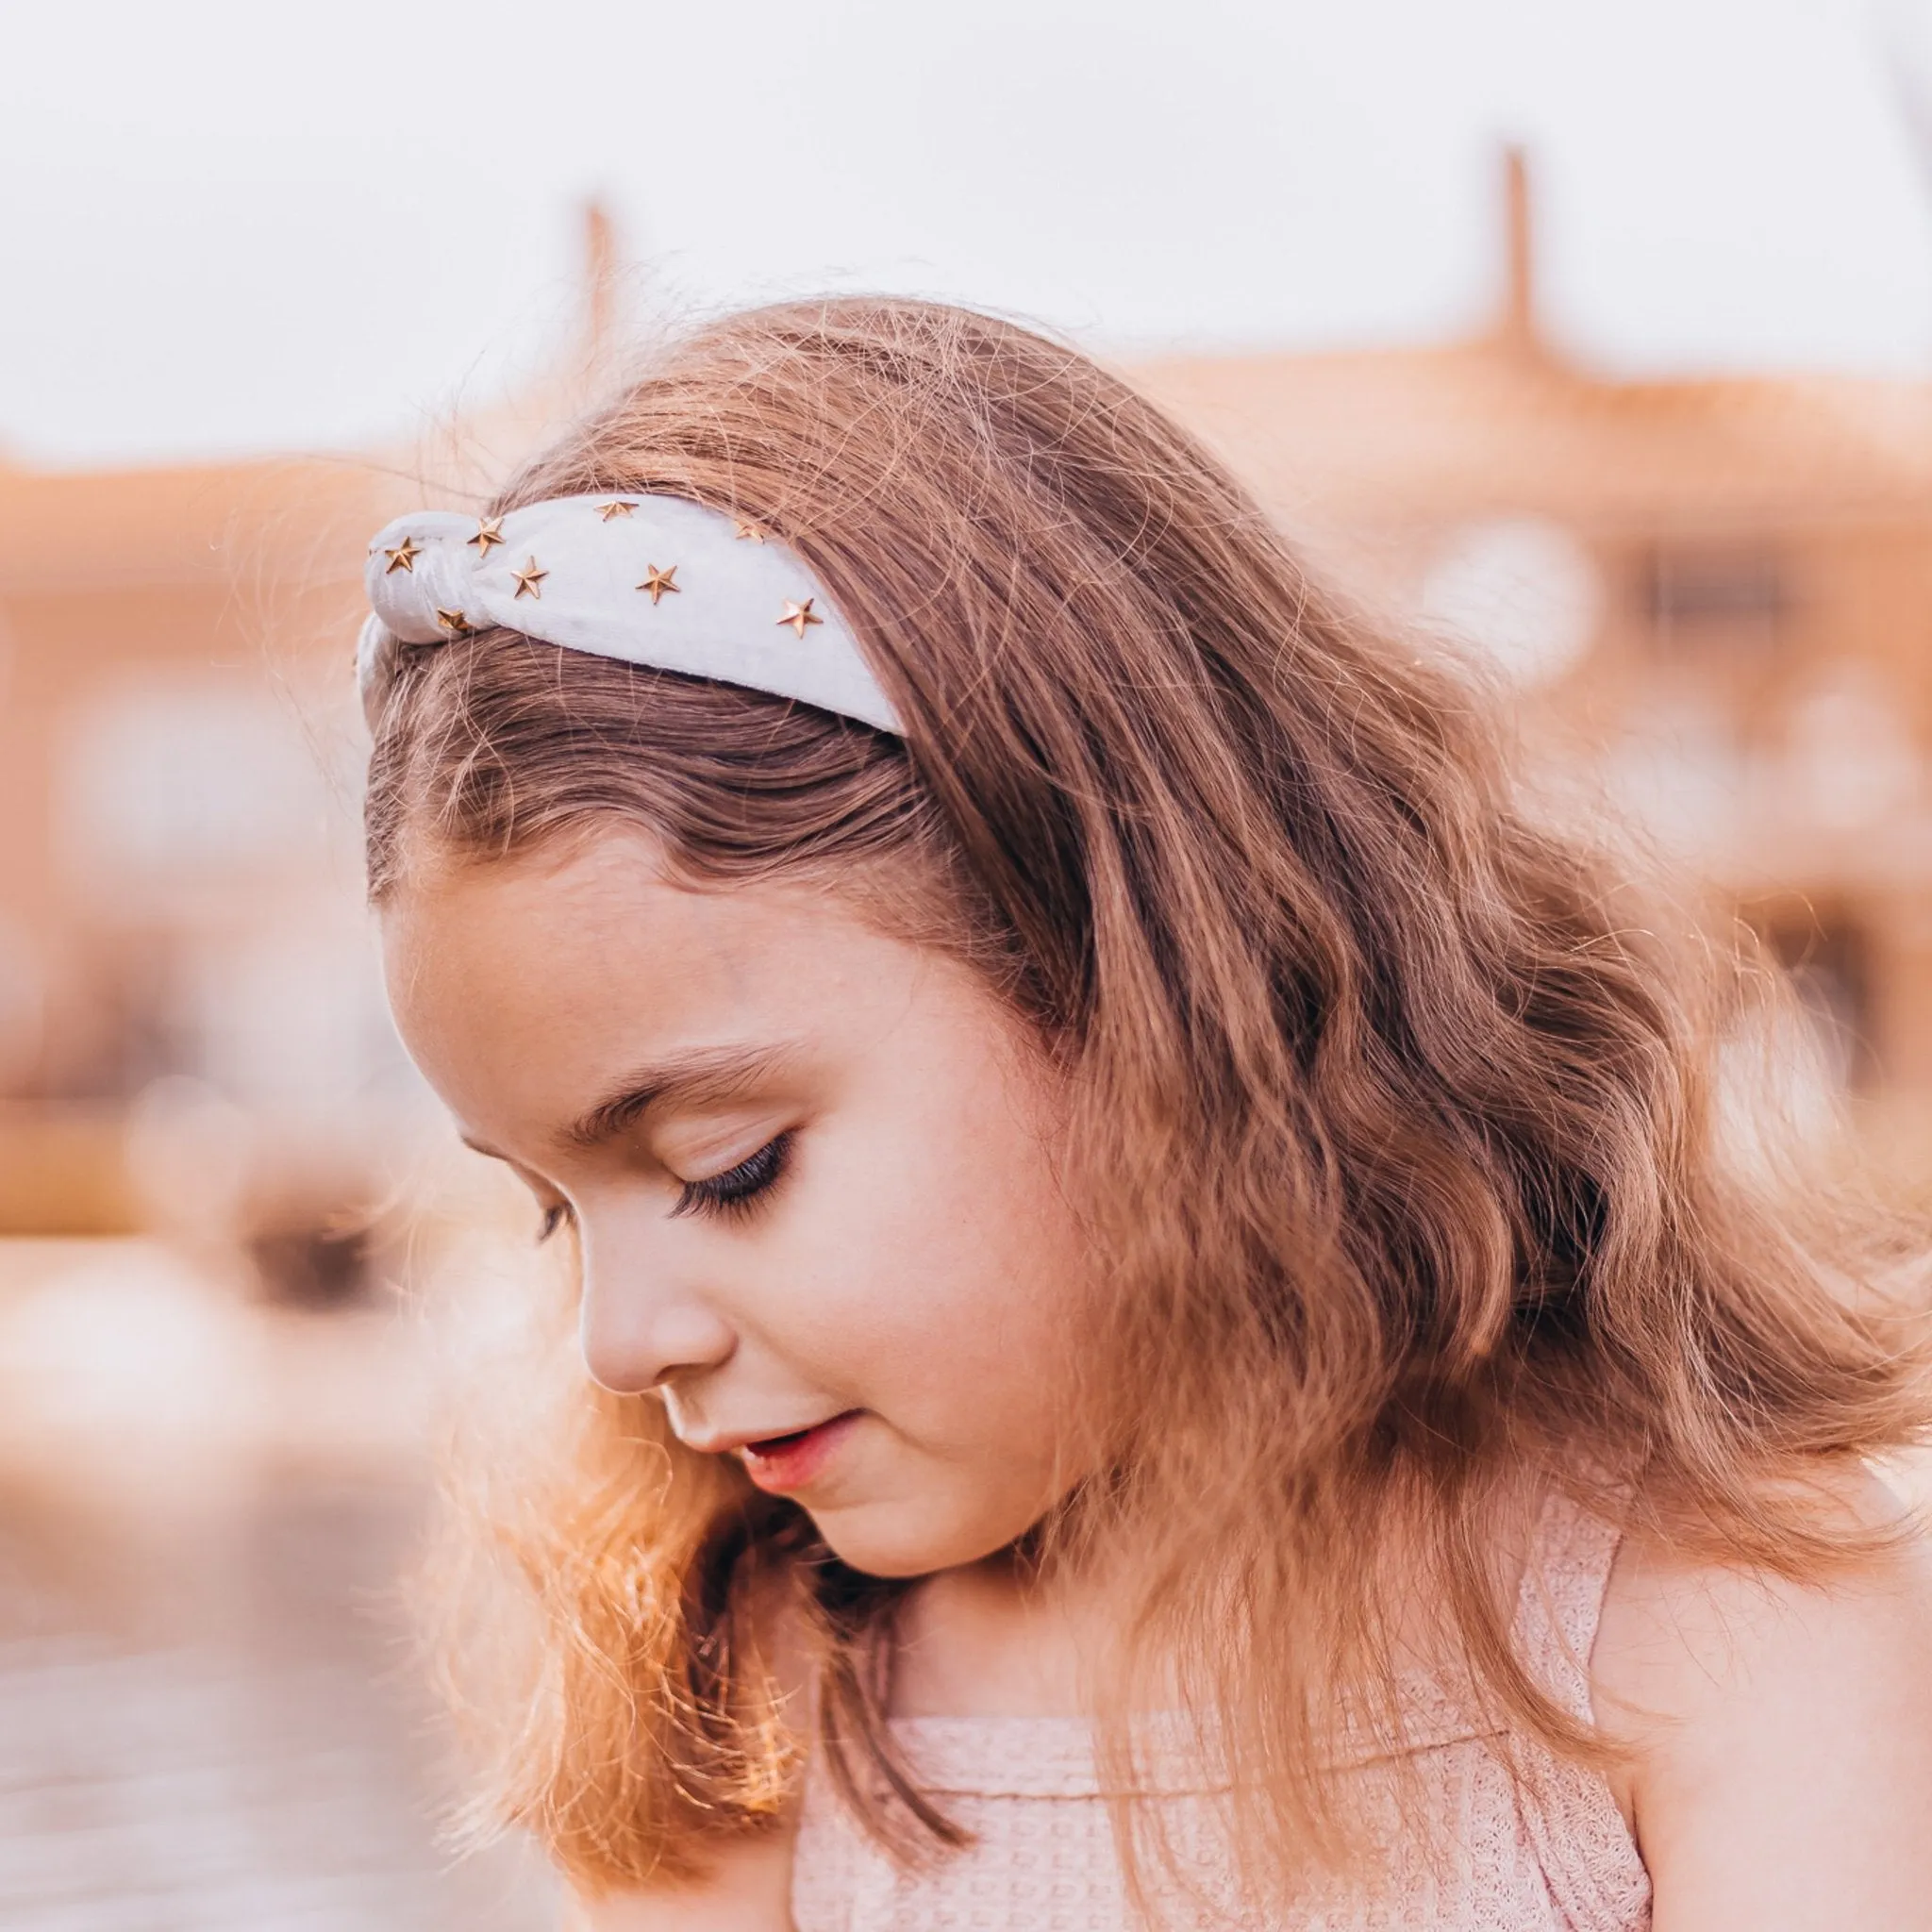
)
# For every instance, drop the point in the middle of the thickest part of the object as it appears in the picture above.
(736, 1191)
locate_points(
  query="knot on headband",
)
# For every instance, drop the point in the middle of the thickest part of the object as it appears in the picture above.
(651, 580)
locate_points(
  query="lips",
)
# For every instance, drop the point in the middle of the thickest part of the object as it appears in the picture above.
(782, 1464)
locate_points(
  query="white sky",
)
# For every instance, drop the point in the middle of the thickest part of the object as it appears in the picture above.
(234, 224)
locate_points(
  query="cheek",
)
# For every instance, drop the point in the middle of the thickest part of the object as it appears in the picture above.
(952, 1299)
(959, 1333)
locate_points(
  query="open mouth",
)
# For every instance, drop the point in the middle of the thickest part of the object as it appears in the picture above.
(774, 1445)
(782, 1463)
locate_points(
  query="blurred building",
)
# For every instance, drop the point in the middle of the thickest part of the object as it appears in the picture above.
(178, 915)
(191, 1027)
(1715, 593)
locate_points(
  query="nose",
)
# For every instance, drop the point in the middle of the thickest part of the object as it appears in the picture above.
(642, 1322)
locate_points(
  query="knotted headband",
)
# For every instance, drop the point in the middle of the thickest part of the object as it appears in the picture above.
(653, 580)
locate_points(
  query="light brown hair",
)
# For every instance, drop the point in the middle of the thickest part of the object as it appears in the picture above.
(1400, 1118)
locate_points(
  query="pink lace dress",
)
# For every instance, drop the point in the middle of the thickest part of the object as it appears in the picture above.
(1042, 1857)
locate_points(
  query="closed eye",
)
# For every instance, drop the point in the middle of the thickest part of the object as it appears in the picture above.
(736, 1191)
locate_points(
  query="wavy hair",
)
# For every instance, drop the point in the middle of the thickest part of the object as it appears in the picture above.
(1399, 1115)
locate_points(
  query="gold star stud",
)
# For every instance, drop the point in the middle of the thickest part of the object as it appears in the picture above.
(454, 622)
(608, 510)
(747, 530)
(658, 581)
(527, 579)
(488, 531)
(799, 615)
(403, 557)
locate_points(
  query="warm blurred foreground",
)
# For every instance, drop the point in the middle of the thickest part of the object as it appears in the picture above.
(208, 1717)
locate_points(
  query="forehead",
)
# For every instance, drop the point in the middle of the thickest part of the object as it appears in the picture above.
(519, 987)
(532, 927)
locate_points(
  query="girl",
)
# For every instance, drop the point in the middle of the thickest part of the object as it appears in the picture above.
(1181, 1323)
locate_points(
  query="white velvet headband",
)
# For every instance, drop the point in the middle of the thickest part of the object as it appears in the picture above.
(653, 580)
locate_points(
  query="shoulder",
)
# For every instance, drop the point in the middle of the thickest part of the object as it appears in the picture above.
(1777, 1735)
(1687, 1637)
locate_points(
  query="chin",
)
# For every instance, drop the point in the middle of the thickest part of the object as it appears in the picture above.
(903, 1539)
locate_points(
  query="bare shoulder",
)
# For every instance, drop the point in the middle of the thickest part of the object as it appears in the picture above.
(1779, 1733)
(1680, 1637)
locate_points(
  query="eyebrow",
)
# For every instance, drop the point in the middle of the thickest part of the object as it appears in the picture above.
(704, 1075)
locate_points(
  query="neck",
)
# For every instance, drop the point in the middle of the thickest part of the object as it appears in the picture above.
(994, 1639)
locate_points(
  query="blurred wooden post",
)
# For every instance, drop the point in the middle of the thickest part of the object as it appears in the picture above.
(601, 270)
(1516, 326)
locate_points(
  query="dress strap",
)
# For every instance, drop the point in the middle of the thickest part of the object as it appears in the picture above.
(1589, 1859)
(1560, 1601)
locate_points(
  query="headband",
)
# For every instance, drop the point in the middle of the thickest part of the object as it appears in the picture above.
(653, 580)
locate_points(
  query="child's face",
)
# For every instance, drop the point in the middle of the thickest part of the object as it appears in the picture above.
(822, 1190)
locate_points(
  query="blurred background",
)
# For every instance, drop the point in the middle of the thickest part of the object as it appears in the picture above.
(1597, 341)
